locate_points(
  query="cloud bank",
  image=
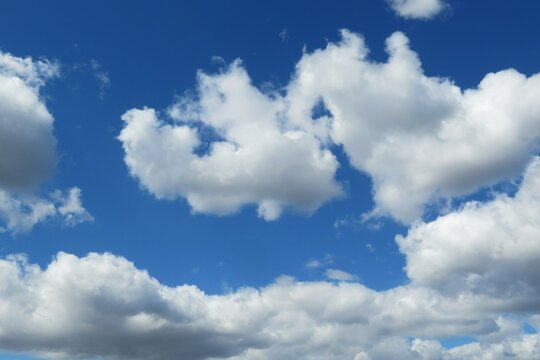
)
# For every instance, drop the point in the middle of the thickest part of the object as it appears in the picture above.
(28, 147)
(472, 272)
(229, 148)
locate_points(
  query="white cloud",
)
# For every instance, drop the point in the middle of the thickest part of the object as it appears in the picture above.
(313, 264)
(318, 263)
(21, 212)
(421, 139)
(229, 148)
(487, 248)
(101, 76)
(102, 306)
(526, 347)
(27, 146)
(70, 207)
(473, 271)
(417, 9)
(339, 275)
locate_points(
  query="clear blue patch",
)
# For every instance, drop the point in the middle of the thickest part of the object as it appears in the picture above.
(320, 110)
(11, 356)
(529, 329)
(456, 341)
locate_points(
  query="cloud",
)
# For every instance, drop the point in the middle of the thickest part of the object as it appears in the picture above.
(28, 147)
(417, 9)
(229, 148)
(284, 35)
(472, 272)
(487, 248)
(70, 207)
(102, 306)
(421, 139)
(27, 143)
(339, 275)
(318, 263)
(101, 76)
(21, 212)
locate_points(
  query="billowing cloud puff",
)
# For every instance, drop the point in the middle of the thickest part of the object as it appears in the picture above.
(230, 148)
(420, 138)
(487, 248)
(27, 148)
(102, 306)
(417, 9)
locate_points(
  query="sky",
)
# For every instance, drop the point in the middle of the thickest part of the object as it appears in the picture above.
(270, 180)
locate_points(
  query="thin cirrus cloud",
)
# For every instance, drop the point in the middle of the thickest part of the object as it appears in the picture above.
(422, 139)
(339, 275)
(102, 306)
(21, 212)
(28, 149)
(417, 9)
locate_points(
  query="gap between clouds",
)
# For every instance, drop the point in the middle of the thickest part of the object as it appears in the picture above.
(102, 306)
(28, 149)
(420, 138)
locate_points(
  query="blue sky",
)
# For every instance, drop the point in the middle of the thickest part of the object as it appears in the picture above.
(107, 59)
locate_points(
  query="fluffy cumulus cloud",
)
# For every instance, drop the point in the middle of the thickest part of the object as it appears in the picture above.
(102, 306)
(417, 9)
(422, 139)
(339, 275)
(27, 146)
(488, 248)
(230, 147)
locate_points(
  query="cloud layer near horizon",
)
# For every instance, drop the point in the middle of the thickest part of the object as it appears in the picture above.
(472, 272)
(421, 139)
